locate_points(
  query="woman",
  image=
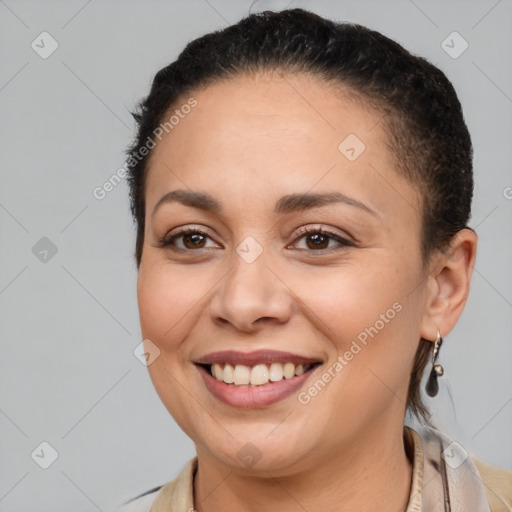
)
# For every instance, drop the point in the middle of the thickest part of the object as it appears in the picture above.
(301, 191)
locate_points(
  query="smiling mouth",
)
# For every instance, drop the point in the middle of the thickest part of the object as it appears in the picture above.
(257, 375)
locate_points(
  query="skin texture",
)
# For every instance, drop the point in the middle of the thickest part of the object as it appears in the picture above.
(249, 141)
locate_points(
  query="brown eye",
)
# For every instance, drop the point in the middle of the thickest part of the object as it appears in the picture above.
(185, 240)
(318, 239)
(193, 240)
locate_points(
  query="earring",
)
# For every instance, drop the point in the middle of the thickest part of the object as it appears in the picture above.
(432, 386)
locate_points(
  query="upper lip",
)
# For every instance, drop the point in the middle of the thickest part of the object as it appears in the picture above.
(234, 357)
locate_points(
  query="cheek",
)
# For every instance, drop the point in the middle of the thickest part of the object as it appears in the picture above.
(169, 301)
(166, 308)
(371, 322)
(350, 298)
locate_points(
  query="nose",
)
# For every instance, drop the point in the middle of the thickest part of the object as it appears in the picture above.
(250, 296)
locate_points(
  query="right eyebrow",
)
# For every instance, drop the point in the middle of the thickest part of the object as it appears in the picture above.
(199, 200)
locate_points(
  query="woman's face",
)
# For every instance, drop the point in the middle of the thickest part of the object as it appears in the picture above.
(255, 289)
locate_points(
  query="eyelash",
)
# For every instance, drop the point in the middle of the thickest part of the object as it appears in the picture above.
(168, 241)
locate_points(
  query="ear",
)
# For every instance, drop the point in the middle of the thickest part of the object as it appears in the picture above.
(449, 279)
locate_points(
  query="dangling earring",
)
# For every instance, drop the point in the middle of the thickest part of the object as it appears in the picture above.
(432, 386)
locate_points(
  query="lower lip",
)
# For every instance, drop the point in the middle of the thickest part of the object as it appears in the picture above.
(252, 397)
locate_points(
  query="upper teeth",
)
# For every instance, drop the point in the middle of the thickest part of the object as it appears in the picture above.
(258, 375)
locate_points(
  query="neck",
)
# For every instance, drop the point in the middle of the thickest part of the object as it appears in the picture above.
(373, 474)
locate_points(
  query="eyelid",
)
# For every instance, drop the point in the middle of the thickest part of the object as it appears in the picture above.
(324, 229)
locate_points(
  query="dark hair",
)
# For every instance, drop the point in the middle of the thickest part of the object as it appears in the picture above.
(425, 127)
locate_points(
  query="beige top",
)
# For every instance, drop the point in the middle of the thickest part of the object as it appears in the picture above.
(178, 495)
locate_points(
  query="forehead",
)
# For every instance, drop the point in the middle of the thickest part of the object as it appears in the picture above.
(268, 135)
(276, 110)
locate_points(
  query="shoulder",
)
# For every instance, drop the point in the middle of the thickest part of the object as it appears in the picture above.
(498, 485)
(175, 495)
(141, 502)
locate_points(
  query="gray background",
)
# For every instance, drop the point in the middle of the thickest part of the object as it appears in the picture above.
(69, 324)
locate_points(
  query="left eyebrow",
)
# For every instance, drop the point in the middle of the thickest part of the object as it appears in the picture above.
(298, 202)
